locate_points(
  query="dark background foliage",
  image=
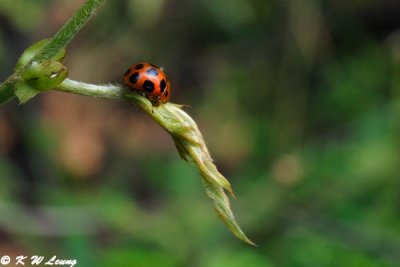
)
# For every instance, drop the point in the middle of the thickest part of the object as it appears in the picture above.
(299, 104)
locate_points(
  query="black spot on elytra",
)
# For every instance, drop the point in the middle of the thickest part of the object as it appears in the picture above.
(163, 84)
(134, 78)
(139, 66)
(152, 72)
(127, 72)
(166, 94)
(148, 86)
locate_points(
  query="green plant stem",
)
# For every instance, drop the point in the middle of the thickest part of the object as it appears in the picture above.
(69, 30)
(7, 89)
(111, 91)
(117, 92)
(58, 42)
(108, 91)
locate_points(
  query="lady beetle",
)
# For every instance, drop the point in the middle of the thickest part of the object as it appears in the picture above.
(149, 80)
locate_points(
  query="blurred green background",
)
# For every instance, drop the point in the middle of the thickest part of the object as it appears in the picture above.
(299, 102)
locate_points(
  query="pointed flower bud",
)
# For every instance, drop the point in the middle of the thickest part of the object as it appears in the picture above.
(192, 148)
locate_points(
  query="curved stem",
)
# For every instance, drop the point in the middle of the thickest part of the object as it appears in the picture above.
(109, 91)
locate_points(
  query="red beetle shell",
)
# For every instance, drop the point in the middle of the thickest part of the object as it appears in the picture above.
(150, 80)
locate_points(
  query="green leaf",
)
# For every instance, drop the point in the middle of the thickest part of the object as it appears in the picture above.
(31, 51)
(7, 89)
(47, 49)
(44, 75)
(24, 92)
(39, 77)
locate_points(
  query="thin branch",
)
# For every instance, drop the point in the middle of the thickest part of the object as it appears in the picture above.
(109, 91)
(69, 30)
(7, 89)
(58, 42)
